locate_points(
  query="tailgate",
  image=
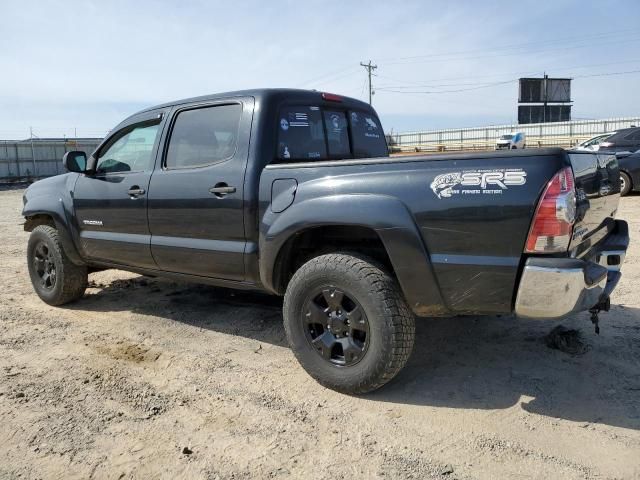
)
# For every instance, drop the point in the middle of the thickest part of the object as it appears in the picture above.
(597, 194)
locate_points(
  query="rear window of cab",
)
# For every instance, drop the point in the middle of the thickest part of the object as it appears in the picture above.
(310, 133)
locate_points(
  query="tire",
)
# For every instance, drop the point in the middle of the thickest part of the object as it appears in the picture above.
(378, 342)
(514, 147)
(625, 184)
(55, 278)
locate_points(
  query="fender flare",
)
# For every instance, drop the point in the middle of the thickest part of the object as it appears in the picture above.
(385, 215)
(53, 207)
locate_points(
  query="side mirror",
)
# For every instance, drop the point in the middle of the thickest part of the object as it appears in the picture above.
(623, 154)
(75, 161)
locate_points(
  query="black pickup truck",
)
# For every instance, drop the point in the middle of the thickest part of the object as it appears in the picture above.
(292, 192)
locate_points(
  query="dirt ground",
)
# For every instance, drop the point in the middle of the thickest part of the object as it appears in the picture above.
(148, 378)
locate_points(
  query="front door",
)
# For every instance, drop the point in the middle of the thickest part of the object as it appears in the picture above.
(111, 203)
(196, 201)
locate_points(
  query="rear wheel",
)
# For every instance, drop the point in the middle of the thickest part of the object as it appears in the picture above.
(347, 322)
(55, 278)
(625, 183)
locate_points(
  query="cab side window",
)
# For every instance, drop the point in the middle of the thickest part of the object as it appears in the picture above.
(129, 151)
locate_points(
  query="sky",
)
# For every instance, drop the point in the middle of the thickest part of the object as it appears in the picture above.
(72, 68)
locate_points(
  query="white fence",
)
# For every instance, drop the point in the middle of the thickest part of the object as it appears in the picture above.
(22, 160)
(561, 134)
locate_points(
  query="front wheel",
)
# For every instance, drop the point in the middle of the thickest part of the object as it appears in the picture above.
(348, 323)
(625, 184)
(55, 278)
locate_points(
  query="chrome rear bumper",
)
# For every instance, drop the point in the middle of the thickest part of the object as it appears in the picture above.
(555, 287)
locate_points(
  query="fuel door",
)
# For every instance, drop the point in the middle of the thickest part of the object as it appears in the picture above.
(283, 192)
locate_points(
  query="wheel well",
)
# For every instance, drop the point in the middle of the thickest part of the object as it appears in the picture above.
(36, 220)
(310, 243)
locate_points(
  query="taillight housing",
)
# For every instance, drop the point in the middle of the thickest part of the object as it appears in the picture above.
(555, 216)
(331, 97)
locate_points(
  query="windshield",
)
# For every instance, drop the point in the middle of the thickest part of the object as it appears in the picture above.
(595, 140)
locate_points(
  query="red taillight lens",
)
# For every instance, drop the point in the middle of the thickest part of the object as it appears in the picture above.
(554, 218)
(331, 97)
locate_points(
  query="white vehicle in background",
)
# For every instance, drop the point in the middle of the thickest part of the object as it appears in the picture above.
(593, 144)
(511, 141)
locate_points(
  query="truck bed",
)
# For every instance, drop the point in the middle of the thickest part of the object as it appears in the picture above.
(473, 235)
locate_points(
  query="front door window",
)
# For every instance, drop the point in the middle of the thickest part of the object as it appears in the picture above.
(129, 152)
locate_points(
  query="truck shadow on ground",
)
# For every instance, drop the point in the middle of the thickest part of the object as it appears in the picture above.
(460, 362)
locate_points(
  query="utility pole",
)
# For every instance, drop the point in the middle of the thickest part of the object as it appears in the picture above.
(545, 92)
(369, 68)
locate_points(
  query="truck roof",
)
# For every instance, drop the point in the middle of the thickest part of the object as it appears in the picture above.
(261, 94)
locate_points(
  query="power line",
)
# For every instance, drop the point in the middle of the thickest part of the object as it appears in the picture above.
(610, 74)
(334, 75)
(519, 45)
(335, 79)
(486, 85)
(427, 83)
(477, 87)
(494, 52)
(448, 58)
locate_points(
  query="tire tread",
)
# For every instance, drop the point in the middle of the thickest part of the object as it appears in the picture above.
(396, 313)
(72, 276)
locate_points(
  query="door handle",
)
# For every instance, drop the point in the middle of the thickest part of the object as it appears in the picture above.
(222, 189)
(135, 191)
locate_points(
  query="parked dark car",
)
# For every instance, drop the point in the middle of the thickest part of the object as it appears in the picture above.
(625, 140)
(629, 171)
(292, 192)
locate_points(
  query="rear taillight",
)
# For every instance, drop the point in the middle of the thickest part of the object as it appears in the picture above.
(555, 215)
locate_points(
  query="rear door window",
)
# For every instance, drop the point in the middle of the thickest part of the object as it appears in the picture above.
(301, 134)
(367, 135)
(204, 136)
(633, 136)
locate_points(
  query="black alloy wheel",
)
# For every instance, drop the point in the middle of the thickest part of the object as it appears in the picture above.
(44, 266)
(336, 327)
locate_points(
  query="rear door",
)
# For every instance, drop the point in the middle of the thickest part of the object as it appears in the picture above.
(111, 203)
(196, 199)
